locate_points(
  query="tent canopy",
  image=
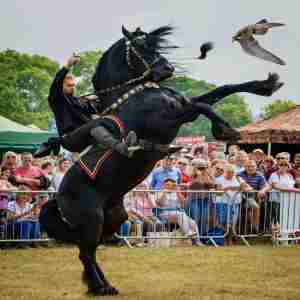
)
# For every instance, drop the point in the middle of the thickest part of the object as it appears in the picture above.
(282, 129)
(17, 137)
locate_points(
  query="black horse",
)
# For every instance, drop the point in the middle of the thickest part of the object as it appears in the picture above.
(89, 205)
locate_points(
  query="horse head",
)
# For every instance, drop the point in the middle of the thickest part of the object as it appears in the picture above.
(136, 58)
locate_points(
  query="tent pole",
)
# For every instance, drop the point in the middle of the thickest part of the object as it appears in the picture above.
(269, 148)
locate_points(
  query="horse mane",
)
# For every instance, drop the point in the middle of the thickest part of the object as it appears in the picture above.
(156, 43)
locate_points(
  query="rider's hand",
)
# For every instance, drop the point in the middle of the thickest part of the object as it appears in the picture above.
(72, 61)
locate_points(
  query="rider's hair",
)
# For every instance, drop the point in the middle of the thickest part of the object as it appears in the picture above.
(69, 77)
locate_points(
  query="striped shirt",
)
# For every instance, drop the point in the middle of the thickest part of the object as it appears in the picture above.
(257, 181)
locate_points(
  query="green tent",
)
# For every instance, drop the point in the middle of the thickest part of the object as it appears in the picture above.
(20, 138)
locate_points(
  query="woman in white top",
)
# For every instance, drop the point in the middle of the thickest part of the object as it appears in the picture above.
(227, 204)
(282, 180)
(284, 202)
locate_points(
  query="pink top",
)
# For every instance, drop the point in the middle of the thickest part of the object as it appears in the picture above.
(32, 172)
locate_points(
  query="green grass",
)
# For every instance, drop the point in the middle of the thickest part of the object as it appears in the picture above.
(232, 273)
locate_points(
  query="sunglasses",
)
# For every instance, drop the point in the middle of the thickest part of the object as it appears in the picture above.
(280, 158)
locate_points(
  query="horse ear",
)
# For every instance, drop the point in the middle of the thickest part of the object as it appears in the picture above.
(126, 33)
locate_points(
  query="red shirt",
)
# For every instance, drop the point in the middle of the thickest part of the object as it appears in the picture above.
(32, 172)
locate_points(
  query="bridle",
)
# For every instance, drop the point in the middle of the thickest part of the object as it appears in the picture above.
(130, 48)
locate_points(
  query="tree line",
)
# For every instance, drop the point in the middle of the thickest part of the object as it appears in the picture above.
(25, 80)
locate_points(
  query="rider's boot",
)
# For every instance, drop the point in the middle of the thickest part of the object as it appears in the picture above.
(52, 145)
(103, 137)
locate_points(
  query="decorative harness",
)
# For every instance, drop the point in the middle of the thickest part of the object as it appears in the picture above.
(129, 47)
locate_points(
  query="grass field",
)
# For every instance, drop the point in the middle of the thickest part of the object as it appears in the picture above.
(232, 273)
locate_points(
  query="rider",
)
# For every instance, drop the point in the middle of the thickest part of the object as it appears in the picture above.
(74, 119)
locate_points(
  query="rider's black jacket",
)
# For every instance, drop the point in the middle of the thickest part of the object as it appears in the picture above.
(69, 112)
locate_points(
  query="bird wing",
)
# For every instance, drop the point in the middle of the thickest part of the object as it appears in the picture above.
(263, 26)
(252, 47)
(263, 21)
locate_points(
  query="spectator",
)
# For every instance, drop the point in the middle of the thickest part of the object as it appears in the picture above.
(140, 209)
(282, 155)
(281, 181)
(218, 170)
(4, 183)
(167, 170)
(48, 168)
(227, 205)
(258, 183)
(185, 179)
(30, 175)
(23, 223)
(268, 167)
(233, 150)
(231, 159)
(240, 160)
(296, 170)
(198, 202)
(170, 201)
(258, 156)
(10, 161)
(63, 166)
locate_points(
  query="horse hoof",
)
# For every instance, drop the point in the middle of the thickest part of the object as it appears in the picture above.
(270, 85)
(224, 133)
(104, 291)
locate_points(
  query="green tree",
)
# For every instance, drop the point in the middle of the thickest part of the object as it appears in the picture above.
(277, 107)
(233, 108)
(24, 87)
(85, 70)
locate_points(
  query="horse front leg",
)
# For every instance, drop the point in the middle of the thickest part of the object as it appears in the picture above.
(259, 87)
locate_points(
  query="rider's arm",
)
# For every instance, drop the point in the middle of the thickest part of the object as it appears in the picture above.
(56, 88)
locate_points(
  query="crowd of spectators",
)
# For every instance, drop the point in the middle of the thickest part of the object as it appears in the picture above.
(199, 192)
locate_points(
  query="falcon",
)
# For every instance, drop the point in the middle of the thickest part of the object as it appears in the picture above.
(250, 45)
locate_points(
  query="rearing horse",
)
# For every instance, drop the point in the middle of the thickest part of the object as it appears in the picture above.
(89, 204)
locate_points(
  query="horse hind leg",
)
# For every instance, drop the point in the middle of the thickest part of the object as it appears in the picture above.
(54, 225)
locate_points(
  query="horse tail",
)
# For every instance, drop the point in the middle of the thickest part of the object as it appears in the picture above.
(51, 221)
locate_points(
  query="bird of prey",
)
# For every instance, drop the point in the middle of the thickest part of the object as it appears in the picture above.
(250, 45)
(204, 49)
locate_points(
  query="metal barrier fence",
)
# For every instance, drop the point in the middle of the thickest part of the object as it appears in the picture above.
(165, 218)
